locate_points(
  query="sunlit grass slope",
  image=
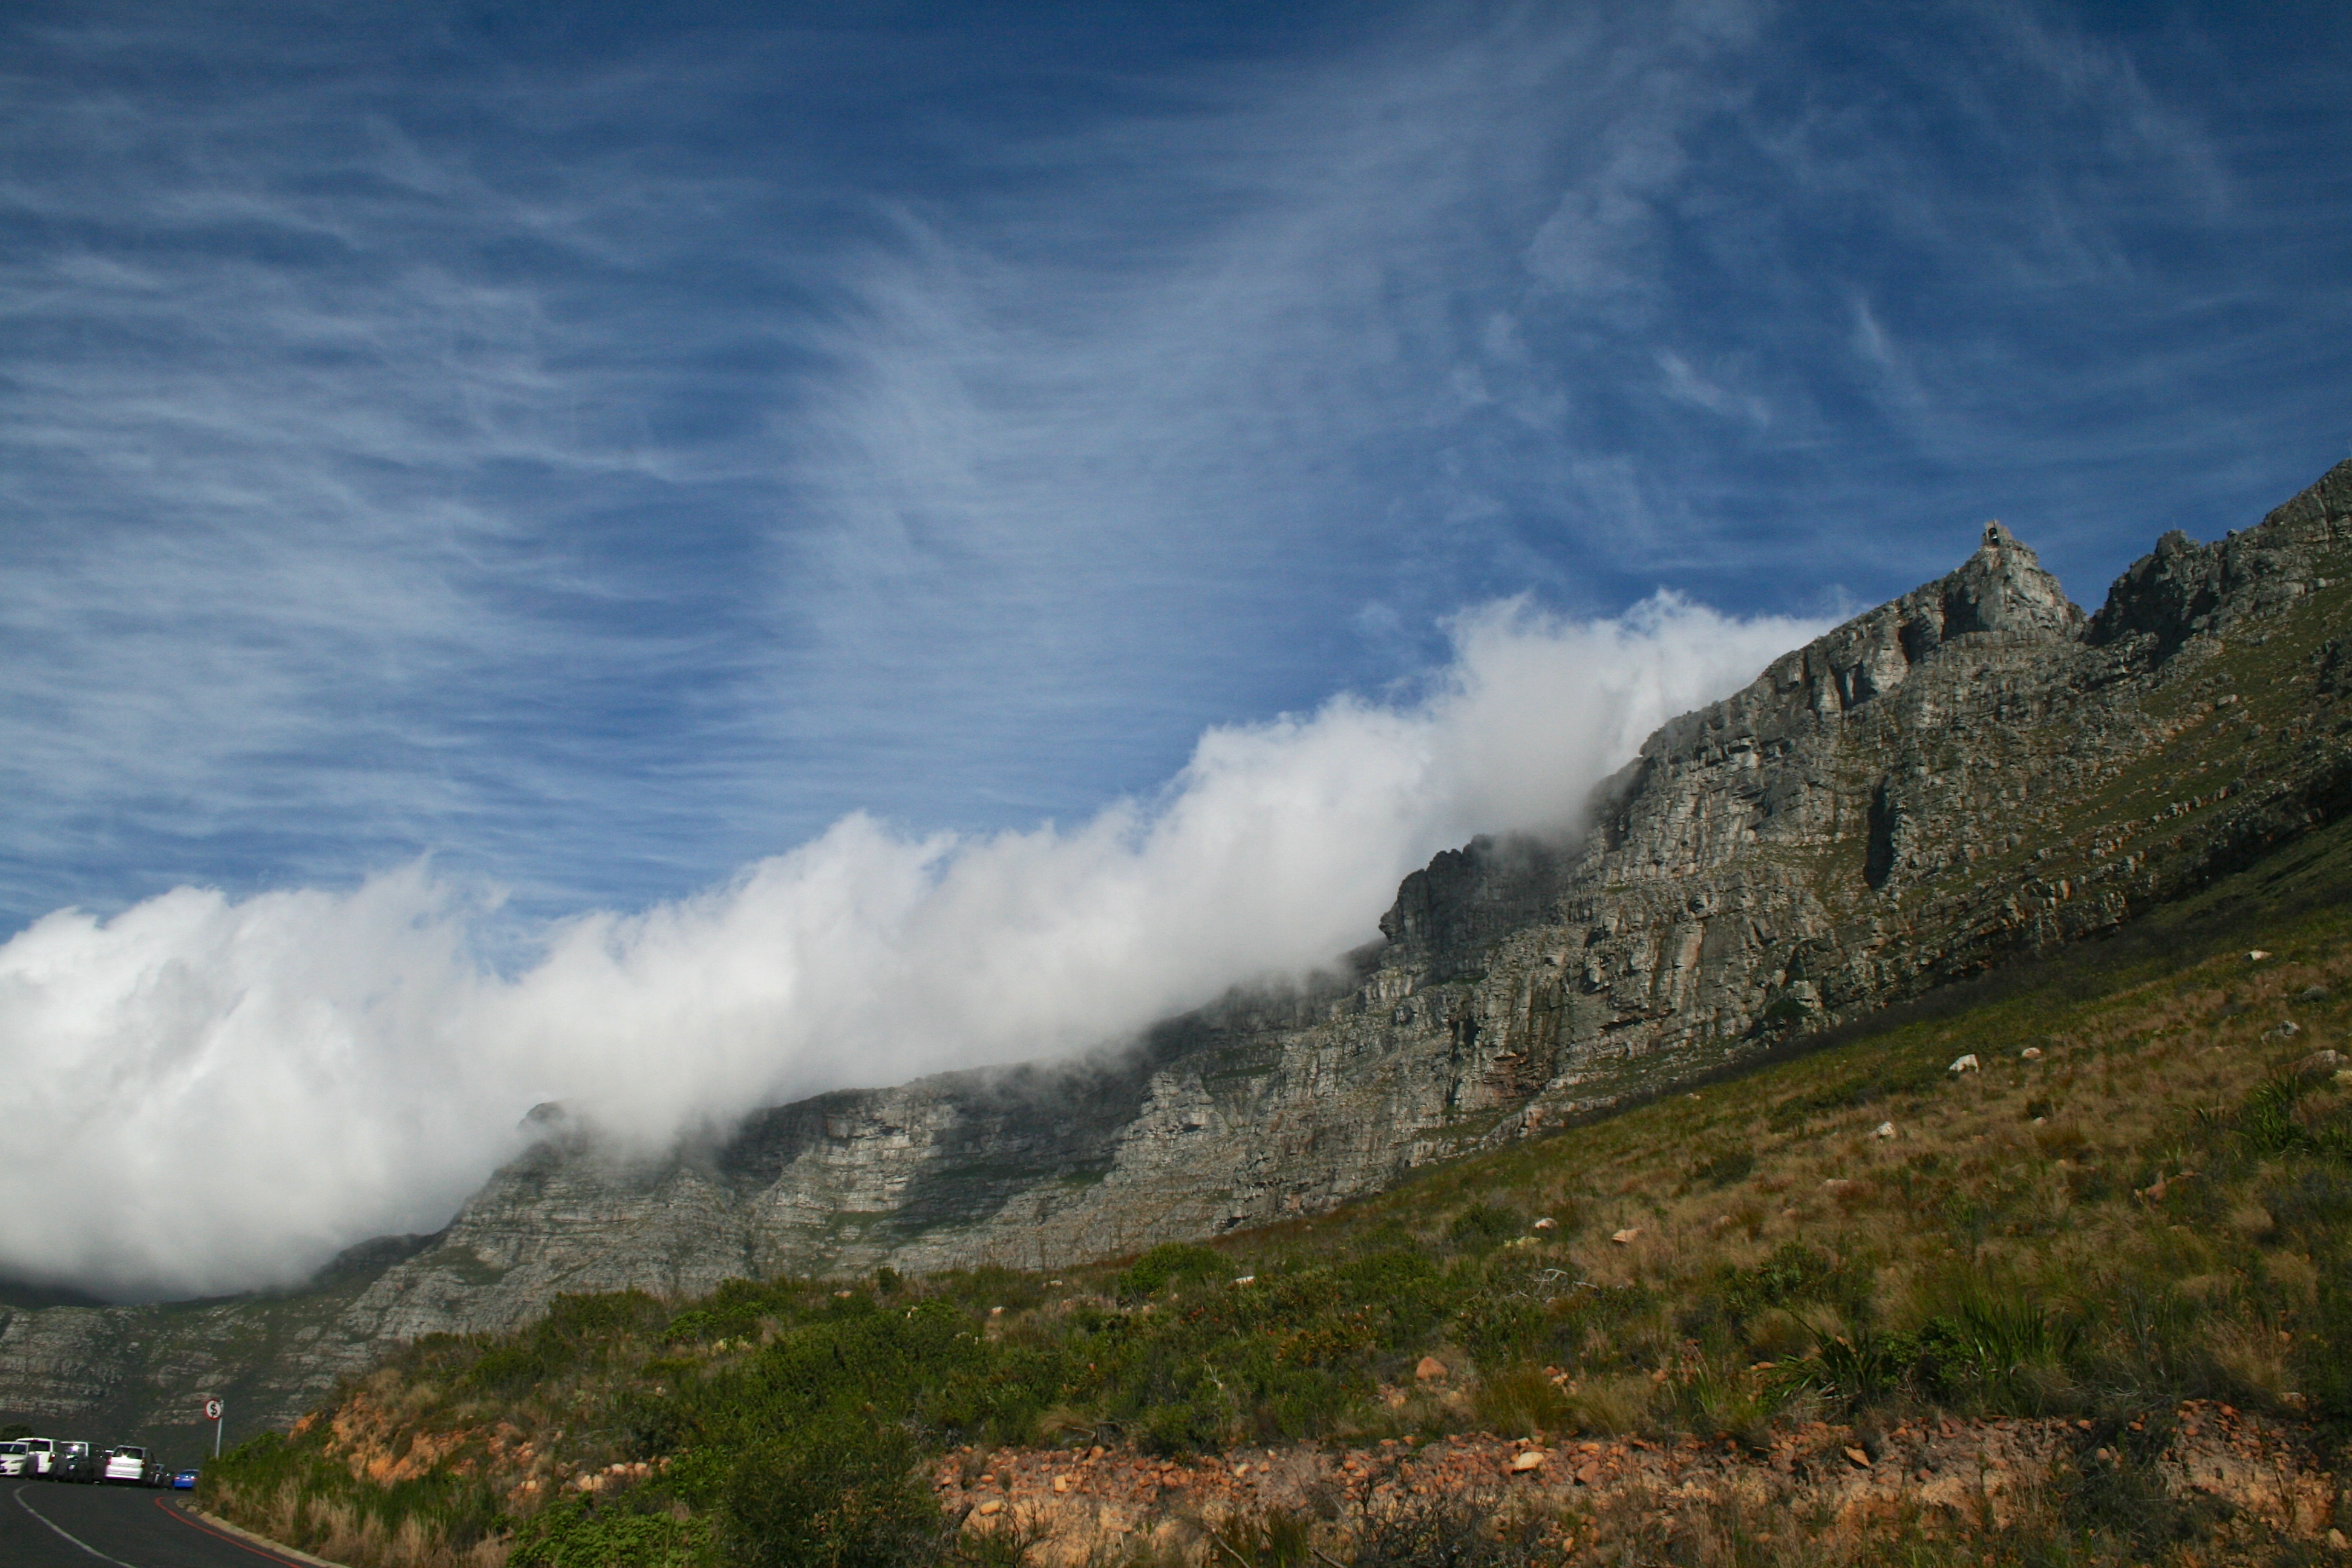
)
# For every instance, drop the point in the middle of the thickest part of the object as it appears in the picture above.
(2142, 1192)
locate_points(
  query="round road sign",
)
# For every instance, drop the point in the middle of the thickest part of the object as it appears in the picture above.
(211, 1409)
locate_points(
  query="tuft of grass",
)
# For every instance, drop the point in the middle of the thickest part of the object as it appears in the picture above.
(1524, 1398)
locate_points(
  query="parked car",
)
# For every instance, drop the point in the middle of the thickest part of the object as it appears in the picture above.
(75, 1462)
(40, 1456)
(155, 1473)
(124, 1464)
(185, 1480)
(13, 1458)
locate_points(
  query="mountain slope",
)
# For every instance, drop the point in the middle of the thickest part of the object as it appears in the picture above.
(1972, 772)
(2087, 1301)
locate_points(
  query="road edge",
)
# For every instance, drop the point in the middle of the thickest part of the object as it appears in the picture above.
(295, 1552)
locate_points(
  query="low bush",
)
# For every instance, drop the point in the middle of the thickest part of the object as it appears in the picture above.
(841, 1493)
(1171, 1263)
(578, 1533)
(1482, 1227)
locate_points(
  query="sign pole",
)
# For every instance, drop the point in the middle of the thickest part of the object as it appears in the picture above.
(214, 1410)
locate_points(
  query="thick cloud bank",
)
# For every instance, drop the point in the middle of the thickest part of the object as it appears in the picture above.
(216, 1095)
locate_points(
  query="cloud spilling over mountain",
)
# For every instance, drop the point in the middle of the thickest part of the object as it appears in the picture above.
(213, 1094)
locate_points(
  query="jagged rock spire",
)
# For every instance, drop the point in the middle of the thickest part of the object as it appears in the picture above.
(2001, 588)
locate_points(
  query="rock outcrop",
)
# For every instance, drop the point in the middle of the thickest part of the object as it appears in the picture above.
(1972, 772)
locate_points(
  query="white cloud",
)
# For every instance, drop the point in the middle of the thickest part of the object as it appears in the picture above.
(219, 1093)
(368, 394)
(1684, 384)
(584, 469)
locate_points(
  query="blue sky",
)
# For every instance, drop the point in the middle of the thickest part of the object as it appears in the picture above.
(598, 446)
(675, 557)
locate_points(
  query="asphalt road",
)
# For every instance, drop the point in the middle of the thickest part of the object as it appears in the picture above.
(44, 1524)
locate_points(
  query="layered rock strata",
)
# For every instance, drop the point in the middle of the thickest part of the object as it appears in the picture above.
(1971, 772)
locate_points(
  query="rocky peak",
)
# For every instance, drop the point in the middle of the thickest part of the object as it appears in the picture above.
(1448, 913)
(2001, 590)
(2167, 595)
(2182, 587)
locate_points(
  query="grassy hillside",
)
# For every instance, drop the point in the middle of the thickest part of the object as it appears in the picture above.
(2141, 1195)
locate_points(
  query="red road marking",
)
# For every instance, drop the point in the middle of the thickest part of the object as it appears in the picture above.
(193, 1522)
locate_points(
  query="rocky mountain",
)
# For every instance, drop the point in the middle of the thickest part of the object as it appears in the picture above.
(1973, 772)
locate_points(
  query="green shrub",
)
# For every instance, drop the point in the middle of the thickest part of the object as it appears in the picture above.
(2323, 1366)
(1720, 1397)
(2006, 1352)
(1193, 1425)
(598, 1319)
(2156, 1341)
(1500, 1328)
(1272, 1539)
(2112, 1485)
(1482, 1227)
(2271, 1120)
(843, 1494)
(1857, 1370)
(1406, 1286)
(577, 1533)
(1721, 1170)
(1171, 1263)
(1443, 1532)
(1911, 1075)
(1794, 1274)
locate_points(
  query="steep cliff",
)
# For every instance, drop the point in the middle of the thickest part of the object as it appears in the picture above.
(1971, 772)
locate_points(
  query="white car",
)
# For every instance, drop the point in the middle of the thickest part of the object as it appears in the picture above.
(40, 1456)
(125, 1465)
(11, 1457)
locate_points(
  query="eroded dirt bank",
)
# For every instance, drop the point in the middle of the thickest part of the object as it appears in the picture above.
(2256, 1479)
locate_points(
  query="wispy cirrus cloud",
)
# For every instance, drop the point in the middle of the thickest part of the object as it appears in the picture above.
(500, 440)
(604, 453)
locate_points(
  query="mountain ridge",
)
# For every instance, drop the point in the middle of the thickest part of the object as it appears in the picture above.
(1975, 770)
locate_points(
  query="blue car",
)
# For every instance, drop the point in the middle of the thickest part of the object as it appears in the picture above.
(183, 1480)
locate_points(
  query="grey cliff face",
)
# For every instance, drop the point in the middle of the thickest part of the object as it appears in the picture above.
(1880, 810)
(110, 1373)
(1971, 772)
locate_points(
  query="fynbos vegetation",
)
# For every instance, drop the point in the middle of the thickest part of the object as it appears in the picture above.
(2137, 1204)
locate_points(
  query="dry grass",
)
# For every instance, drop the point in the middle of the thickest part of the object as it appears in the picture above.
(2101, 1229)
